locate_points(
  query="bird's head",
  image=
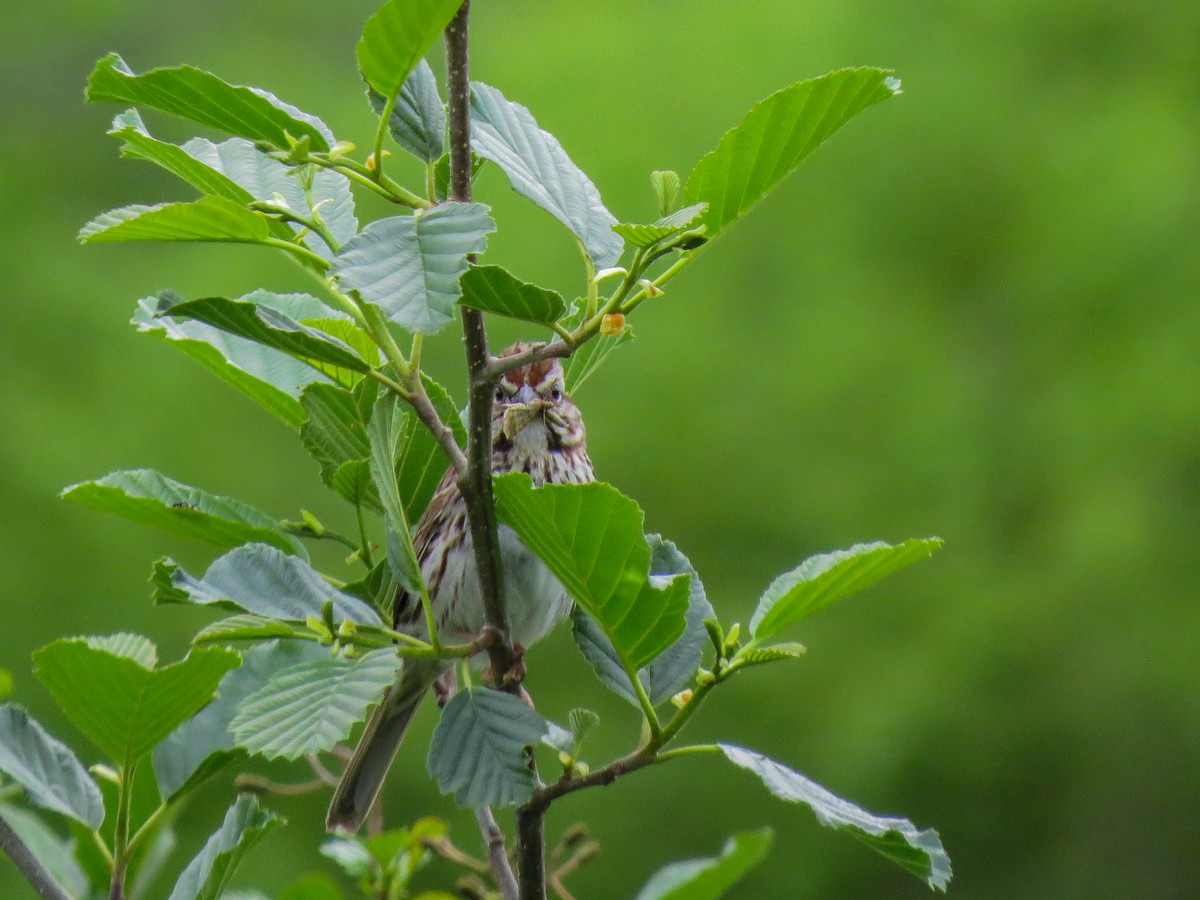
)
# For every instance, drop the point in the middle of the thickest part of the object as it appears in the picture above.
(532, 410)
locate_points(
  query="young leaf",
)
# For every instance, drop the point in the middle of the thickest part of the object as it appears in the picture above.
(668, 190)
(264, 178)
(590, 536)
(409, 266)
(151, 498)
(776, 135)
(209, 872)
(270, 378)
(539, 168)
(495, 290)
(709, 879)
(203, 744)
(336, 432)
(309, 707)
(264, 325)
(919, 852)
(676, 666)
(47, 769)
(757, 656)
(211, 219)
(396, 37)
(258, 579)
(479, 749)
(202, 97)
(668, 226)
(48, 849)
(418, 120)
(123, 707)
(243, 627)
(820, 580)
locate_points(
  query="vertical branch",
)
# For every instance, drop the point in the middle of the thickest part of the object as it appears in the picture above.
(27, 864)
(531, 850)
(497, 858)
(476, 482)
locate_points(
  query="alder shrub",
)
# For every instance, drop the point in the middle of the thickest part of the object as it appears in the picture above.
(296, 658)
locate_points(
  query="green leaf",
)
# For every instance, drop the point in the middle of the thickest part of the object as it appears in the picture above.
(674, 668)
(668, 190)
(309, 707)
(409, 266)
(264, 325)
(336, 434)
(269, 377)
(480, 748)
(776, 135)
(259, 579)
(590, 536)
(420, 460)
(495, 290)
(708, 879)
(538, 168)
(757, 656)
(151, 498)
(384, 432)
(48, 848)
(396, 37)
(351, 857)
(264, 178)
(348, 332)
(45, 767)
(820, 580)
(212, 219)
(243, 627)
(666, 227)
(209, 873)
(919, 852)
(418, 120)
(124, 707)
(201, 97)
(203, 744)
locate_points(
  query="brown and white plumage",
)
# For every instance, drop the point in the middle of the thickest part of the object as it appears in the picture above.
(536, 429)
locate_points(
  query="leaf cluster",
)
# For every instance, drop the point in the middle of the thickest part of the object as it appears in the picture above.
(341, 366)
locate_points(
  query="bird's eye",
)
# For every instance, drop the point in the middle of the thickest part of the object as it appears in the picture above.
(555, 394)
(500, 395)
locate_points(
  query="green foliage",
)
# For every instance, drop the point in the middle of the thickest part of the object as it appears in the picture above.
(259, 579)
(708, 879)
(409, 266)
(150, 498)
(823, 579)
(918, 851)
(48, 848)
(397, 37)
(208, 874)
(590, 536)
(494, 290)
(776, 136)
(480, 750)
(539, 169)
(203, 98)
(344, 368)
(310, 706)
(47, 769)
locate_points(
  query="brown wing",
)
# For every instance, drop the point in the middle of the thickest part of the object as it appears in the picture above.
(407, 610)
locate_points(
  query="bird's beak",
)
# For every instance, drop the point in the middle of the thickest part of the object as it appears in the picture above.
(519, 415)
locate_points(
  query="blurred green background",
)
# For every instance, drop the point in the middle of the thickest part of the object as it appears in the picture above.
(973, 313)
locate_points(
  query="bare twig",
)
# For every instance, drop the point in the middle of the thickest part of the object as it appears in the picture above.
(27, 864)
(497, 855)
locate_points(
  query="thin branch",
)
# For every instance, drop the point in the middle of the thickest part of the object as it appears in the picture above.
(497, 855)
(476, 481)
(27, 864)
(531, 850)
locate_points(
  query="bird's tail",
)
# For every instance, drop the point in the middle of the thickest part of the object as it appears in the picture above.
(368, 767)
